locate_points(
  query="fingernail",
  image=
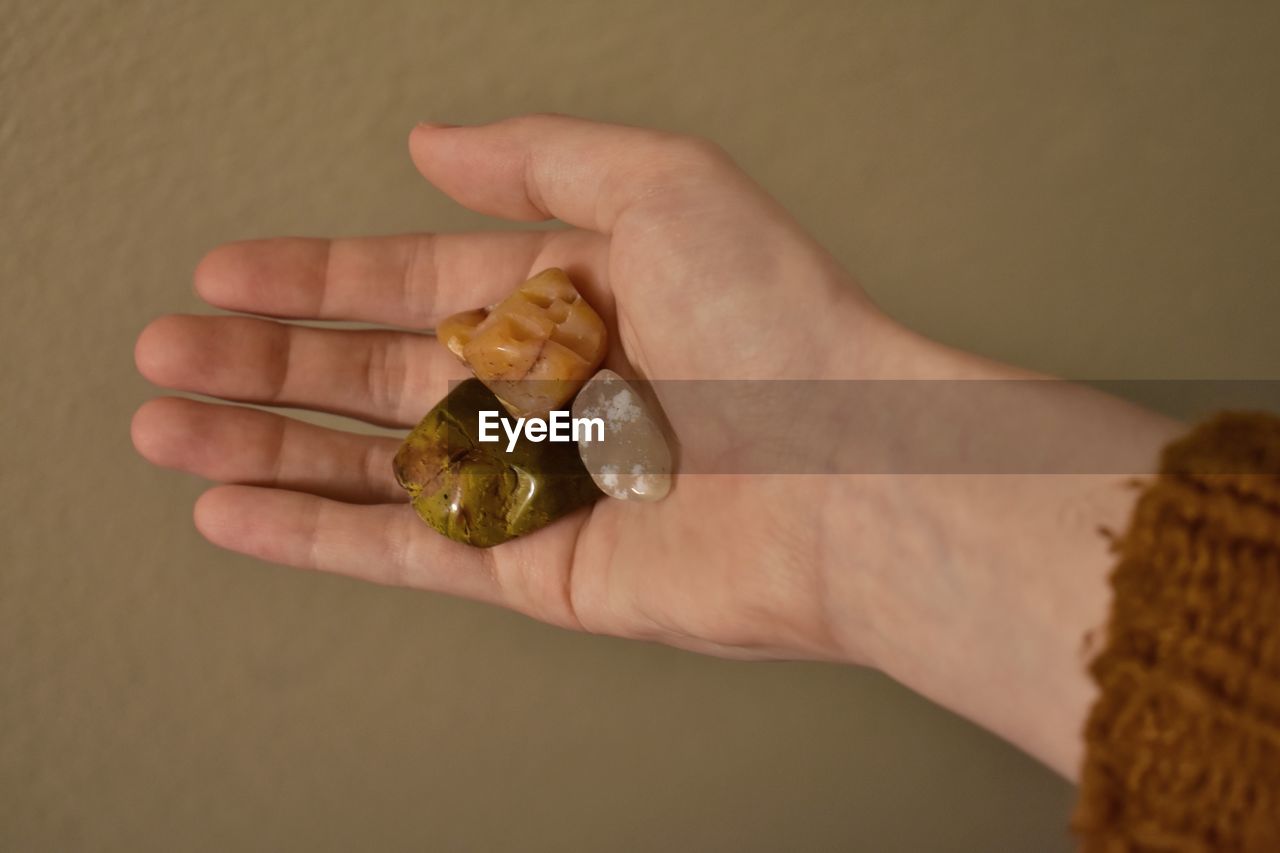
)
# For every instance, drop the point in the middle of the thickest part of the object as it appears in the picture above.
(435, 124)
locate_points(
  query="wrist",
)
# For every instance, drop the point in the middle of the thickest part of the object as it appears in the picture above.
(977, 587)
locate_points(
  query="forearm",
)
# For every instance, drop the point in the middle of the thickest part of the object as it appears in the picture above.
(980, 589)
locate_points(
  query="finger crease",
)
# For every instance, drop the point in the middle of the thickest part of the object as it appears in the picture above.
(281, 442)
(313, 549)
(282, 344)
(410, 293)
(572, 590)
(375, 376)
(326, 281)
(398, 537)
(374, 470)
(388, 376)
(532, 190)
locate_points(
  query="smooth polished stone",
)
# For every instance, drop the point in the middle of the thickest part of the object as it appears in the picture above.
(478, 493)
(533, 349)
(633, 463)
(454, 331)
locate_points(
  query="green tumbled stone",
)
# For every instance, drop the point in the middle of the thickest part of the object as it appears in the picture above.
(476, 492)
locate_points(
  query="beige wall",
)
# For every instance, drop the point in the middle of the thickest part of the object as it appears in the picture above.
(1092, 190)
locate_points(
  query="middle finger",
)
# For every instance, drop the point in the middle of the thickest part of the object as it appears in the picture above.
(385, 377)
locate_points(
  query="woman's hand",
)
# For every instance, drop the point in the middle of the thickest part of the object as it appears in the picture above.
(699, 274)
(975, 590)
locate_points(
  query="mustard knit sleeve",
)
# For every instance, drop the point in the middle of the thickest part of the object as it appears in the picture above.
(1182, 746)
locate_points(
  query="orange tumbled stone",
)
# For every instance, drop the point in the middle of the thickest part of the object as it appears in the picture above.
(535, 348)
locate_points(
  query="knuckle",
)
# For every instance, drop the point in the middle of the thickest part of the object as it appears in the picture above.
(696, 153)
(704, 150)
(677, 160)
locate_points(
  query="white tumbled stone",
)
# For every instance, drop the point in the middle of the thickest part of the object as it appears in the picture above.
(633, 463)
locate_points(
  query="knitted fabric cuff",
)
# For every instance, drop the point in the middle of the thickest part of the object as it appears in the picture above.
(1182, 745)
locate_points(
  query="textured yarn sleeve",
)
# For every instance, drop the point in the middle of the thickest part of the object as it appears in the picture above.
(1182, 745)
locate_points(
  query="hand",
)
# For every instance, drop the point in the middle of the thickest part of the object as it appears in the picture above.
(975, 590)
(698, 273)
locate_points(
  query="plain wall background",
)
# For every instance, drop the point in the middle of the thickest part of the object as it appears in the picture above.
(1090, 189)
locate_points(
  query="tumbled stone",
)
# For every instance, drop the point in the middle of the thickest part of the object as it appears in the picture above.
(533, 349)
(478, 492)
(633, 462)
(454, 331)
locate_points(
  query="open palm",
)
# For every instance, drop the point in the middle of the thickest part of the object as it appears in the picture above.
(699, 274)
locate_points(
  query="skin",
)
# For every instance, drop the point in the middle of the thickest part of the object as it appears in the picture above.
(977, 590)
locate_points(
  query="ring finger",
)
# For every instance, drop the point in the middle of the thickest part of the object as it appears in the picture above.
(233, 444)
